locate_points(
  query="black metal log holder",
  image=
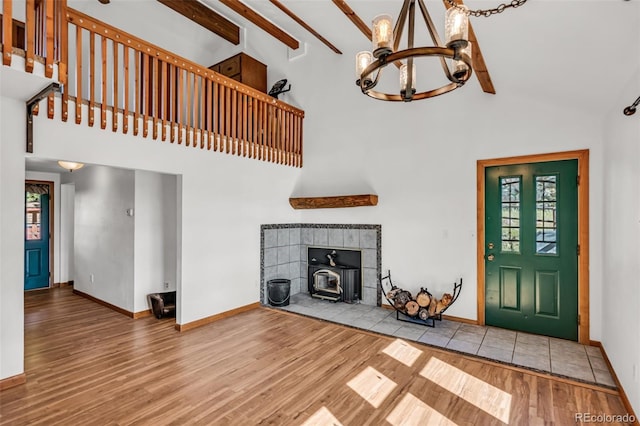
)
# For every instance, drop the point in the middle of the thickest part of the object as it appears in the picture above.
(403, 316)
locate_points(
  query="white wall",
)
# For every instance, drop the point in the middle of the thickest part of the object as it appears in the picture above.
(155, 236)
(104, 234)
(621, 203)
(67, 215)
(55, 197)
(224, 200)
(12, 142)
(422, 165)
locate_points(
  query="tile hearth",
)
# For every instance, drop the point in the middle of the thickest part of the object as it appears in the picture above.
(546, 354)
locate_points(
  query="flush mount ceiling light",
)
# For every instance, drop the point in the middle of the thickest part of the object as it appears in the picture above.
(454, 56)
(70, 165)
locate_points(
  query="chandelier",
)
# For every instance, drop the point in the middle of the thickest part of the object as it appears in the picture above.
(454, 55)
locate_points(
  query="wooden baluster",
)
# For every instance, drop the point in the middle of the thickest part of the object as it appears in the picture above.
(240, 120)
(264, 130)
(48, 61)
(248, 125)
(300, 141)
(254, 124)
(263, 125)
(295, 141)
(283, 135)
(7, 30)
(125, 114)
(227, 119)
(92, 76)
(234, 121)
(78, 75)
(36, 26)
(146, 100)
(215, 107)
(165, 98)
(273, 128)
(287, 138)
(201, 114)
(280, 136)
(292, 139)
(63, 65)
(245, 121)
(155, 95)
(180, 103)
(103, 76)
(209, 111)
(137, 91)
(173, 106)
(273, 122)
(188, 107)
(114, 110)
(31, 33)
(194, 107)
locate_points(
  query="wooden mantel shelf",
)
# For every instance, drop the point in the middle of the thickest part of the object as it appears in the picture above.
(333, 202)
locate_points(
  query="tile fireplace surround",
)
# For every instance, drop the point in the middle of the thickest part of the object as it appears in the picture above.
(283, 253)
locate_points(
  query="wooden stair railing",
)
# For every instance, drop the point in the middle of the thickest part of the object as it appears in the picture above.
(128, 79)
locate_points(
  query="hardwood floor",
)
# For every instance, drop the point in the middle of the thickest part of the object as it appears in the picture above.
(86, 364)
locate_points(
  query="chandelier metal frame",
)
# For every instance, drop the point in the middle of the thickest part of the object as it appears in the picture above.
(454, 51)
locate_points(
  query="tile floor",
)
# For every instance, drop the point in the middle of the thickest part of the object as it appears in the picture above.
(546, 354)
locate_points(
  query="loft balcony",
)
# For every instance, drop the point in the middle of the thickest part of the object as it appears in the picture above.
(130, 85)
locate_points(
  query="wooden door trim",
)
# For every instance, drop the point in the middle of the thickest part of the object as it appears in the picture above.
(52, 222)
(583, 228)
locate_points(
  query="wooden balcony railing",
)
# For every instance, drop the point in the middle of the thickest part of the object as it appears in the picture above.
(128, 81)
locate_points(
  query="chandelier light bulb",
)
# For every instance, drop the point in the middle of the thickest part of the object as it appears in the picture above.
(363, 60)
(405, 79)
(460, 69)
(456, 26)
(382, 35)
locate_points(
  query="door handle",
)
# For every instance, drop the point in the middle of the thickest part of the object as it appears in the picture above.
(491, 257)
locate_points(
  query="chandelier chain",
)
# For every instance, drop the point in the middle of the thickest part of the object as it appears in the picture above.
(488, 12)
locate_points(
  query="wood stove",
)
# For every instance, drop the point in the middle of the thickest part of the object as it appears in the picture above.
(335, 274)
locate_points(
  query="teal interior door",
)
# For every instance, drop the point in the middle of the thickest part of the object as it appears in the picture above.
(36, 241)
(531, 248)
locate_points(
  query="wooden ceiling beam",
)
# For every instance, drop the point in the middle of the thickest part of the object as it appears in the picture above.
(359, 23)
(202, 15)
(249, 14)
(304, 25)
(479, 66)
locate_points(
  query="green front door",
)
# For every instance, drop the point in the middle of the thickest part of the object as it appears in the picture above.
(531, 248)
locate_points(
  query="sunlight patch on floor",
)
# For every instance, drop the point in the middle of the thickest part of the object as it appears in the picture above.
(372, 386)
(402, 352)
(473, 390)
(412, 411)
(322, 417)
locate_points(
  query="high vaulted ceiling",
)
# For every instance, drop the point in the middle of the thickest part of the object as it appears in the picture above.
(584, 51)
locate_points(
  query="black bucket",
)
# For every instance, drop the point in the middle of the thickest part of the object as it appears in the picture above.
(278, 291)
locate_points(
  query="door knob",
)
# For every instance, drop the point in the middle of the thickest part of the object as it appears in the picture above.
(491, 257)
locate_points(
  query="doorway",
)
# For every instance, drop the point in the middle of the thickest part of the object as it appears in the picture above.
(533, 244)
(37, 235)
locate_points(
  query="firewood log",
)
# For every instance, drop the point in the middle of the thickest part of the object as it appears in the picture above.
(401, 299)
(423, 298)
(432, 306)
(412, 307)
(423, 314)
